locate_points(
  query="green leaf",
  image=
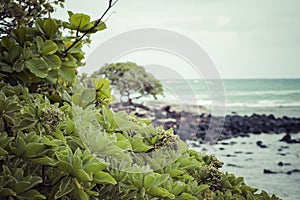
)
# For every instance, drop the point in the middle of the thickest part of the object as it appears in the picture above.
(202, 187)
(154, 180)
(80, 194)
(178, 187)
(187, 196)
(6, 42)
(3, 152)
(38, 67)
(18, 67)
(24, 124)
(176, 172)
(67, 74)
(48, 47)
(34, 149)
(161, 192)
(32, 194)
(88, 95)
(50, 27)
(53, 61)
(20, 34)
(101, 26)
(139, 146)
(7, 192)
(30, 182)
(47, 161)
(79, 20)
(65, 187)
(103, 178)
(94, 166)
(39, 23)
(82, 175)
(14, 52)
(52, 76)
(59, 135)
(4, 67)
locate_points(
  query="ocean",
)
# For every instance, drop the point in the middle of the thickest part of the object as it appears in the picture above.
(280, 97)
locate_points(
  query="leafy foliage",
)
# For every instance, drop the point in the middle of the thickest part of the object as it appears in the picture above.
(132, 81)
(60, 140)
(14, 14)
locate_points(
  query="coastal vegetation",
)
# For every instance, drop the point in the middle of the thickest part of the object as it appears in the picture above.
(60, 140)
(130, 81)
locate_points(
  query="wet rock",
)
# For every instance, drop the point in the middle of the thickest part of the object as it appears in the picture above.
(229, 155)
(238, 152)
(287, 138)
(261, 145)
(234, 165)
(267, 171)
(283, 164)
(281, 154)
(293, 171)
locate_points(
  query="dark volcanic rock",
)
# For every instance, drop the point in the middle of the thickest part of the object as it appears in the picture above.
(293, 171)
(191, 126)
(261, 145)
(234, 165)
(267, 171)
(288, 139)
(283, 164)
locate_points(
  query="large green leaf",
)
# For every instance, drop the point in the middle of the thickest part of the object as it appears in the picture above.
(32, 194)
(50, 27)
(139, 146)
(79, 20)
(67, 74)
(65, 187)
(38, 67)
(18, 67)
(3, 152)
(47, 161)
(103, 178)
(20, 34)
(53, 61)
(14, 52)
(6, 42)
(48, 47)
(161, 192)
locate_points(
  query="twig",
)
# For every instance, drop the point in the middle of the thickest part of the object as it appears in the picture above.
(110, 5)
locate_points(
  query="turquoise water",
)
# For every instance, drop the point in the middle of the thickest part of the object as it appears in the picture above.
(242, 96)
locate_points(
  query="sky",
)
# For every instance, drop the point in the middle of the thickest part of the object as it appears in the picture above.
(244, 39)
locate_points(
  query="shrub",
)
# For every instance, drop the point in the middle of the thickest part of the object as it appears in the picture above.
(60, 140)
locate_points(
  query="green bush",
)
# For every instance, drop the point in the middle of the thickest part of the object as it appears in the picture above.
(60, 140)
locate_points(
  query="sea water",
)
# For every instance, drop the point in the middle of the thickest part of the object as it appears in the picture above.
(242, 96)
(242, 157)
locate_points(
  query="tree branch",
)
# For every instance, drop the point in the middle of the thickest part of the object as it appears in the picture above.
(110, 5)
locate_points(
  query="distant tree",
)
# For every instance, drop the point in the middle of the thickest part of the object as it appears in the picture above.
(131, 80)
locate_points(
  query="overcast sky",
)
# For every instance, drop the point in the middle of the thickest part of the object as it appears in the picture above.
(244, 38)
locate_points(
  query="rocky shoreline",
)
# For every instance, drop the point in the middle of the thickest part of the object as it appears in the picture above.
(190, 126)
